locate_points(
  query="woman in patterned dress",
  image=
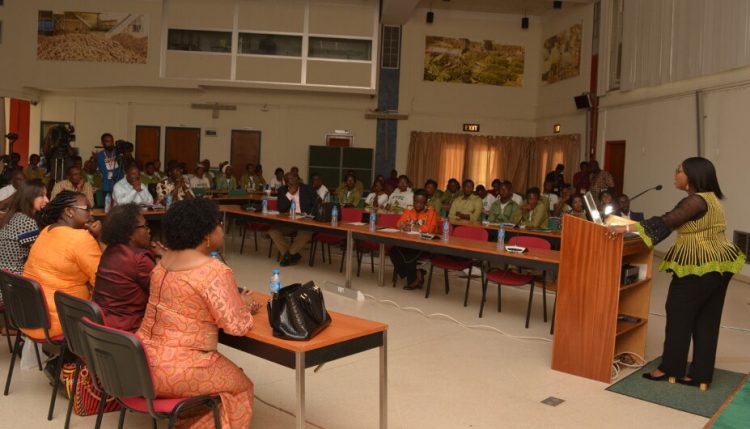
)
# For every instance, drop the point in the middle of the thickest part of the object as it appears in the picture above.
(19, 227)
(192, 296)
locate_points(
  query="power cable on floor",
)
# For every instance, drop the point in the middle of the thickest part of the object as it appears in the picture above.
(454, 320)
(626, 359)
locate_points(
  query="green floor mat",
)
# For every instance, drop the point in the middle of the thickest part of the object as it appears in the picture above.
(684, 398)
(736, 415)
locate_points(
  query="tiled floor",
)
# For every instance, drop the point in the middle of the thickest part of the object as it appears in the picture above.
(441, 375)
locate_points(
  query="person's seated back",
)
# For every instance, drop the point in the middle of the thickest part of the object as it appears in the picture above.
(130, 189)
(377, 198)
(534, 211)
(504, 209)
(402, 197)
(468, 206)
(122, 279)
(304, 197)
(174, 185)
(76, 183)
(347, 193)
(65, 255)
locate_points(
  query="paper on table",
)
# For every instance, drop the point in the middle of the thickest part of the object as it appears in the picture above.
(413, 232)
(388, 230)
(357, 223)
(273, 212)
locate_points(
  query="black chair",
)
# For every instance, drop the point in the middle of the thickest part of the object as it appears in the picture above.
(25, 301)
(7, 325)
(71, 310)
(118, 360)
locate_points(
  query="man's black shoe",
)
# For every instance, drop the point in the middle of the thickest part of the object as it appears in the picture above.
(285, 260)
(293, 259)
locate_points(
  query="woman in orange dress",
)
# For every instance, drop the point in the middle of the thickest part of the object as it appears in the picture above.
(421, 217)
(65, 255)
(192, 296)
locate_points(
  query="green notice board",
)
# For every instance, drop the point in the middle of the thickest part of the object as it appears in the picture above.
(333, 162)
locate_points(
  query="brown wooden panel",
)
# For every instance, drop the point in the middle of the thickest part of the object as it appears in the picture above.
(614, 162)
(182, 145)
(245, 149)
(147, 143)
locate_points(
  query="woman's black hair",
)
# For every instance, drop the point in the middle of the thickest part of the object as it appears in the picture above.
(533, 191)
(189, 221)
(120, 223)
(420, 193)
(53, 211)
(431, 182)
(453, 180)
(498, 181)
(277, 171)
(23, 200)
(701, 175)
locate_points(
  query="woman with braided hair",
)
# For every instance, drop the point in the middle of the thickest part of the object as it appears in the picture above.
(66, 254)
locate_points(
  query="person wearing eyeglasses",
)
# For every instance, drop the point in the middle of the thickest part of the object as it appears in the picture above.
(66, 254)
(122, 279)
(131, 190)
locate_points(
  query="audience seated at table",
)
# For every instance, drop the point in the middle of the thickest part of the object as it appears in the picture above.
(19, 227)
(487, 199)
(247, 180)
(92, 175)
(623, 203)
(33, 171)
(377, 198)
(556, 178)
(534, 211)
(277, 180)
(452, 192)
(66, 254)
(226, 181)
(421, 217)
(7, 191)
(76, 183)
(149, 175)
(122, 279)
(199, 180)
(347, 193)
(495, 187)
(548, 193)
(434, 196)
(318, 186)
(174, 185)
(192, 296)
(258, 179)
(563, 206)
(306, 201)
(606, 203)
(504, 209)
(392, 180)
(402, 197)
(577, 207)
(130, 189)
(467, 206)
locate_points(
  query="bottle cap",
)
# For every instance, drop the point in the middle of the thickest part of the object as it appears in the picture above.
(276, 271)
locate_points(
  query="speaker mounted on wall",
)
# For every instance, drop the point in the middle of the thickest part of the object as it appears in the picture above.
(582, 101)
(525, 22)
(430, 17)
(557, 4)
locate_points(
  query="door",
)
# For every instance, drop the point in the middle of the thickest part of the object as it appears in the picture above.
(147, 144)
(182, 145)
(245, 150)
(614, 162)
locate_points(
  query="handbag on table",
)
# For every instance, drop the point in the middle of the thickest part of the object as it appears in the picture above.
(298, 312)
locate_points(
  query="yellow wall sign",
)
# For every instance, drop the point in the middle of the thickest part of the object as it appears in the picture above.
(471, 128)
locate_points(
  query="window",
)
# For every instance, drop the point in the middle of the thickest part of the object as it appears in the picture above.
(270, 44)
(390, 50)
(198, 40)
(615, 48)
(342, 49)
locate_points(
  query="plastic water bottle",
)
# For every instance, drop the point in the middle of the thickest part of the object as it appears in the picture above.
(275, 283)
(107, 203)
(216, 255)
(168, 201)
(446, 229)
(293, 211)
(501, 238)
(264, 202)
(335, 216)
(373, 221)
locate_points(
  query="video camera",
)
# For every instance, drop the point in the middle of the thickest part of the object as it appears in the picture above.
(11, 136)
(60, 138)
(123, 147)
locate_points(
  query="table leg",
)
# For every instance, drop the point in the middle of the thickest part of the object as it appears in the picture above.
(384, 382)
(348, 256)
(224, 244)
(381, 264)
(300, 369)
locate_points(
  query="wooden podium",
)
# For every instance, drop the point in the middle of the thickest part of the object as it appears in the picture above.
(590, 297)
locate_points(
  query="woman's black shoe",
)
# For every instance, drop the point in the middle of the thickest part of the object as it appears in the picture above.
(689, 382)
(648, 376)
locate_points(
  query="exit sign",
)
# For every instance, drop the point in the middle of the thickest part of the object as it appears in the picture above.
(471, 128)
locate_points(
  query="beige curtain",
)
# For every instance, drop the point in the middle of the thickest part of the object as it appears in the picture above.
(522, 160)
(437, 156)
(548, 151)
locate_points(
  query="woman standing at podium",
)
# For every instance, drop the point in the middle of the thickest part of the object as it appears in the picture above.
(702, 261)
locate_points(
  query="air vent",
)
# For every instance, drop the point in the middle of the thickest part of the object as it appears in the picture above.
(390, 47)
(742, 240)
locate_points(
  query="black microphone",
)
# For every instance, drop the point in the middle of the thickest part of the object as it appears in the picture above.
(657, 187)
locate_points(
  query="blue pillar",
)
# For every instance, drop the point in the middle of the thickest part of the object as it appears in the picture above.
(385, 147)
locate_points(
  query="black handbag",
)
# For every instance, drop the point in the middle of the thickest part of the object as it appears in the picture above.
(298, 312)
(324, 212)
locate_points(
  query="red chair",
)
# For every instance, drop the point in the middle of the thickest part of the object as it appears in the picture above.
(507, 277)
(118, 360)
(348, 214)
(27, 305)
(457, 264)
(385, 220)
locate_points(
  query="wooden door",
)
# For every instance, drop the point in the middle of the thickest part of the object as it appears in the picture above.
(147, 144)
(245, 149)
(182, 145)
(614, 162)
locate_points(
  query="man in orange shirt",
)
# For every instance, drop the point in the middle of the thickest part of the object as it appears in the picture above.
(422, 218)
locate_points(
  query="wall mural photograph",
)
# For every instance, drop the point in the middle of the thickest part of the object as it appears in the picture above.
(562, 55)
(470, 61)
(92, 36)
